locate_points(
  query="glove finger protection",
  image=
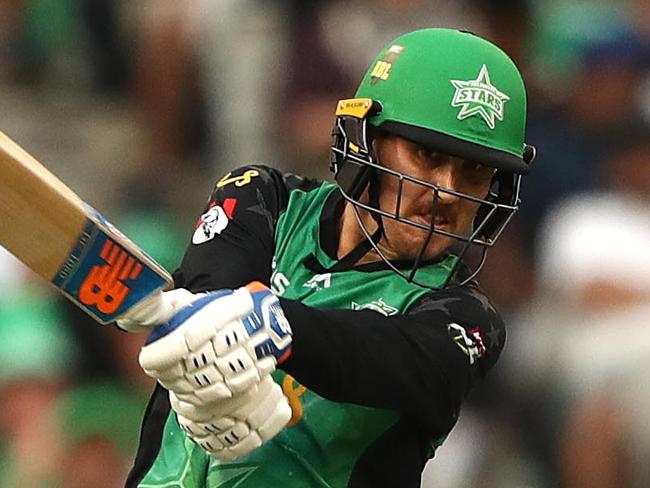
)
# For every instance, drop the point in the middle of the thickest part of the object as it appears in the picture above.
(235, 427)
(207, 411)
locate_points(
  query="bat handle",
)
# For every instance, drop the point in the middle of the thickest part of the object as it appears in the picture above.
(156, 309)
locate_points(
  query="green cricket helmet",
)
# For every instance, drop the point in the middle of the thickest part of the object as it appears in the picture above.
(449, 91)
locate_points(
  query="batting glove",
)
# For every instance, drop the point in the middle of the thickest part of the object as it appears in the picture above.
(234, 427)
(218, 346)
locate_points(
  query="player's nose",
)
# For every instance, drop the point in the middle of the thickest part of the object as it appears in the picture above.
(445, 176)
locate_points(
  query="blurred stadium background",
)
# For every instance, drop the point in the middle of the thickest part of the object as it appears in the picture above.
(140, 106)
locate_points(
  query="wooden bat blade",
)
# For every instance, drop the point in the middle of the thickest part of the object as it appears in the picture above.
(50, 229)
(40, 217)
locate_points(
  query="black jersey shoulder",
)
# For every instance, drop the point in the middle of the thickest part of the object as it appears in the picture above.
(233, 239)
(260, 189)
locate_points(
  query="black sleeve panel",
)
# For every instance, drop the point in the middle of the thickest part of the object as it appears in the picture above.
(422, 364)
(151, 434)
(232, 244)
(394, 460)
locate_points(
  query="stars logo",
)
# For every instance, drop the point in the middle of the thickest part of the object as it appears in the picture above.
(479, 97)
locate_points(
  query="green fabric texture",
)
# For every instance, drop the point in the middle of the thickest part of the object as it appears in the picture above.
(180, 463)
(451, 82)
(320, 448)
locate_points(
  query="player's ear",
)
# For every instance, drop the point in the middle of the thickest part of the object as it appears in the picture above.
(530, 152)
(377, 141)
(376, 136)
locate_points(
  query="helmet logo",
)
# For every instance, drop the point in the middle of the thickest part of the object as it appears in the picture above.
(381, 70)
(479, 97)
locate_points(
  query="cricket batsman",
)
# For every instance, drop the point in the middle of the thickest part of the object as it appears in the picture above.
(326, 334)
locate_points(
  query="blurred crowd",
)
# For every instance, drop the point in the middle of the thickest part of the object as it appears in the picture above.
(139, 106)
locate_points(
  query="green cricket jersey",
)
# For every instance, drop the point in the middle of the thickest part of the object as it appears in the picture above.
(379, 365)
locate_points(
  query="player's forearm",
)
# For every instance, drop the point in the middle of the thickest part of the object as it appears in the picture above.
(234, 269)
(399, 363)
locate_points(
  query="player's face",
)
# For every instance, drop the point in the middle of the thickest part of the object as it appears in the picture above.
(452, 213)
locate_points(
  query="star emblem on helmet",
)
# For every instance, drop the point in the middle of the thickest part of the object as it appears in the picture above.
(479, 97)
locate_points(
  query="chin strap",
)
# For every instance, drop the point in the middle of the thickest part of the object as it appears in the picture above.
(312, 263)
(373, 198)
(367, 244)
(370, 242)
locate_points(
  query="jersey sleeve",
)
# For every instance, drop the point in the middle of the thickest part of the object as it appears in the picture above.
(232, 243)
(422, 364)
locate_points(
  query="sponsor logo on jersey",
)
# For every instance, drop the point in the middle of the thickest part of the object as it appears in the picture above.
(319, 281)
(470, 343)
(479, 97)
(378, 306)
(279, 282)
(476, 334)
(242, 180)
(214, 221)
(381, 70)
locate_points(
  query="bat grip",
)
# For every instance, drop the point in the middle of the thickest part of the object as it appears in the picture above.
(156, 309)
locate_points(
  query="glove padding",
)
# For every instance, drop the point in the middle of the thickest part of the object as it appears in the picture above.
(215, 357)
(220, 345)
(234, 427)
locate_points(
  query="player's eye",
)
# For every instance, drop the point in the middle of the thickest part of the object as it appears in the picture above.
(422, 153)
(432, 157)
(477, 170)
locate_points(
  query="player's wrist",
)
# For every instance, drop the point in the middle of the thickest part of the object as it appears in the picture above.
(156, 309)
(268, 316)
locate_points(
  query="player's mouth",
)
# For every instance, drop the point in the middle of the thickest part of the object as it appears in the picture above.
(439, 222)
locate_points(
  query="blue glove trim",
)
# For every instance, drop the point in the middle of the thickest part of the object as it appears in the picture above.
(183, 314)
(254, 322)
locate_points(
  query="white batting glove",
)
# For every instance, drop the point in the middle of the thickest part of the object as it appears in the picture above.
(218, 346)
(156, 309)
(234, 427)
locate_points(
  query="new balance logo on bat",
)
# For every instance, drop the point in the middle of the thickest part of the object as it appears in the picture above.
(104, 286)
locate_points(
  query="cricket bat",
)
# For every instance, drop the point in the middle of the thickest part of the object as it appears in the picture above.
(67, 242)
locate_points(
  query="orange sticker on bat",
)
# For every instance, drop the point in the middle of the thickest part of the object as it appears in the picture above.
(103, 288)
